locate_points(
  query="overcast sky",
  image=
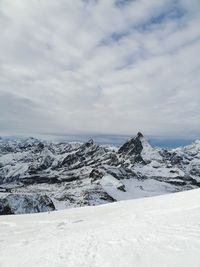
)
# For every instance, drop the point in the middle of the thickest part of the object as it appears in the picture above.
(100, 67)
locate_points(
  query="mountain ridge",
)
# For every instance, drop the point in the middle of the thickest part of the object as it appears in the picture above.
(78, 174)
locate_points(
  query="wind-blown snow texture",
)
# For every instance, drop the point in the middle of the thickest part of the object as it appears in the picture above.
(75, 174)
(160, 231)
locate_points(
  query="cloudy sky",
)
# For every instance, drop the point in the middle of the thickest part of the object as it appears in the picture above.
(100, 67)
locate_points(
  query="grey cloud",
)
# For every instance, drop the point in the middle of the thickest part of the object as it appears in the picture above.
(90, 67)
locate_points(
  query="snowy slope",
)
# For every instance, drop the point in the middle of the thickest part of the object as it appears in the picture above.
(159, 231)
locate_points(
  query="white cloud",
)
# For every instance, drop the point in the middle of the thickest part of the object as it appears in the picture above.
(97, 67)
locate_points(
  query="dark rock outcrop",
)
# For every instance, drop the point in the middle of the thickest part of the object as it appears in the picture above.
(95, 175)
(21, 203)
(132, 147)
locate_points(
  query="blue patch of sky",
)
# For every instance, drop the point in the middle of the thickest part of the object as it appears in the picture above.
(114, 38)
(174, 12)
(170, 143)
(122, 3)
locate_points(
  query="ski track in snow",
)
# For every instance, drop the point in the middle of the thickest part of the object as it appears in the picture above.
(158, 231)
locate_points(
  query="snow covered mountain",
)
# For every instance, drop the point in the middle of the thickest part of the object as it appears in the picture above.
(40, 176)
(160, 231)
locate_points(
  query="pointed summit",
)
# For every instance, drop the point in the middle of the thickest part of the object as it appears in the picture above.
(132, 146)
(140, 135)
(140, 149)
(90, 142)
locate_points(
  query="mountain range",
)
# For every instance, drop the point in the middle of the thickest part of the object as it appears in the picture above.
(38, 176)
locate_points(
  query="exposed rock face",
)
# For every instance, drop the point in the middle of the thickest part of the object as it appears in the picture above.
(21, 203)
(73, 174)
(96, 175)
(133, 147)
(5, 208)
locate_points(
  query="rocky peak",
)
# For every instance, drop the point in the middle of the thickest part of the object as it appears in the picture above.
(87, 145)
(139, 135)
(89, 142)
(132, 146)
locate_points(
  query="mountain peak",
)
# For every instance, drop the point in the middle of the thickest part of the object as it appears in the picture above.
(89, 143)
(132, 146)
(139, 135)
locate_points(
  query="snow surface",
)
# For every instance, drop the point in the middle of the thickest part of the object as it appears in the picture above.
(149, 153)
(159, 231)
